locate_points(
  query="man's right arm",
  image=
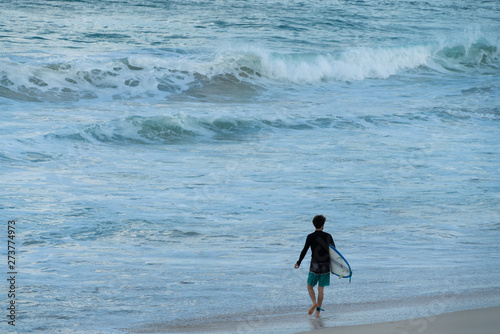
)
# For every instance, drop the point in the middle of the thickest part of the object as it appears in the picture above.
(303, 253)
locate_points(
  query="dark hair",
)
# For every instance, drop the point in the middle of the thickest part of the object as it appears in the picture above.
(319, 221)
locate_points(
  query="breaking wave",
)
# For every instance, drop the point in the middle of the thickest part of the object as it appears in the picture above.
(227, 75)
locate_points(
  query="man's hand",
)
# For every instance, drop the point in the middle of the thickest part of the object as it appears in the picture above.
(296, 266)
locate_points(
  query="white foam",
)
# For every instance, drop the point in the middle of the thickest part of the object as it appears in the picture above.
(352, 64)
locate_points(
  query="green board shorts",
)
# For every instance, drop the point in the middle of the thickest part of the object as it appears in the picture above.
(322, 279)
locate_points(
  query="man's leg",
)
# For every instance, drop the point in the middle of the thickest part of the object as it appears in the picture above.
(320, 298)
(324, 280)
(310, 289)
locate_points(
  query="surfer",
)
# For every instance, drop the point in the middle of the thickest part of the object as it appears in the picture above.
(319, 270)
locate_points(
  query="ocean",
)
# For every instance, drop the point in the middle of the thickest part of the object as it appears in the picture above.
(163, 160)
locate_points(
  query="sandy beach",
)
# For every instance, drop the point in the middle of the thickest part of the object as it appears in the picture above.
(479, 321)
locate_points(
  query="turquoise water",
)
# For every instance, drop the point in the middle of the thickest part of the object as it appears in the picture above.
(163, 160)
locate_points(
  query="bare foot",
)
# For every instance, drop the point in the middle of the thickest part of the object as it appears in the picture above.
(311, 310)
(317, 314)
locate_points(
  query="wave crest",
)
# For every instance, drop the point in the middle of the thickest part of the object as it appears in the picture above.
(477, 56)
(351, 65)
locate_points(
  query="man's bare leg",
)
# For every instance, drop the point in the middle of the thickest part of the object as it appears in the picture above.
(320, 299)
(310, 289)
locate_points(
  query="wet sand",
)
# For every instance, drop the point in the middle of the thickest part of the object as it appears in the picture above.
(479, 321)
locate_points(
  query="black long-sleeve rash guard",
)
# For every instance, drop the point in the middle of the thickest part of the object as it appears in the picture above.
(318, 241)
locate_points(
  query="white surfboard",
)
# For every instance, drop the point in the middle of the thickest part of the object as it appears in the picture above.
(338, 264)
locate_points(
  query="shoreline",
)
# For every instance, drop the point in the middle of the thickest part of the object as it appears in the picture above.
(409, 315)
(478, 321)
(484, 320)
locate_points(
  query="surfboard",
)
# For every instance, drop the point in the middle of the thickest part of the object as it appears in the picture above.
(339, 265)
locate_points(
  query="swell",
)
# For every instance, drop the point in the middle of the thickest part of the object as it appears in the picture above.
(179, 129)
(184, 128)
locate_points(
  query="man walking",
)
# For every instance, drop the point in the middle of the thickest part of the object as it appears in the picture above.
(319, 271)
